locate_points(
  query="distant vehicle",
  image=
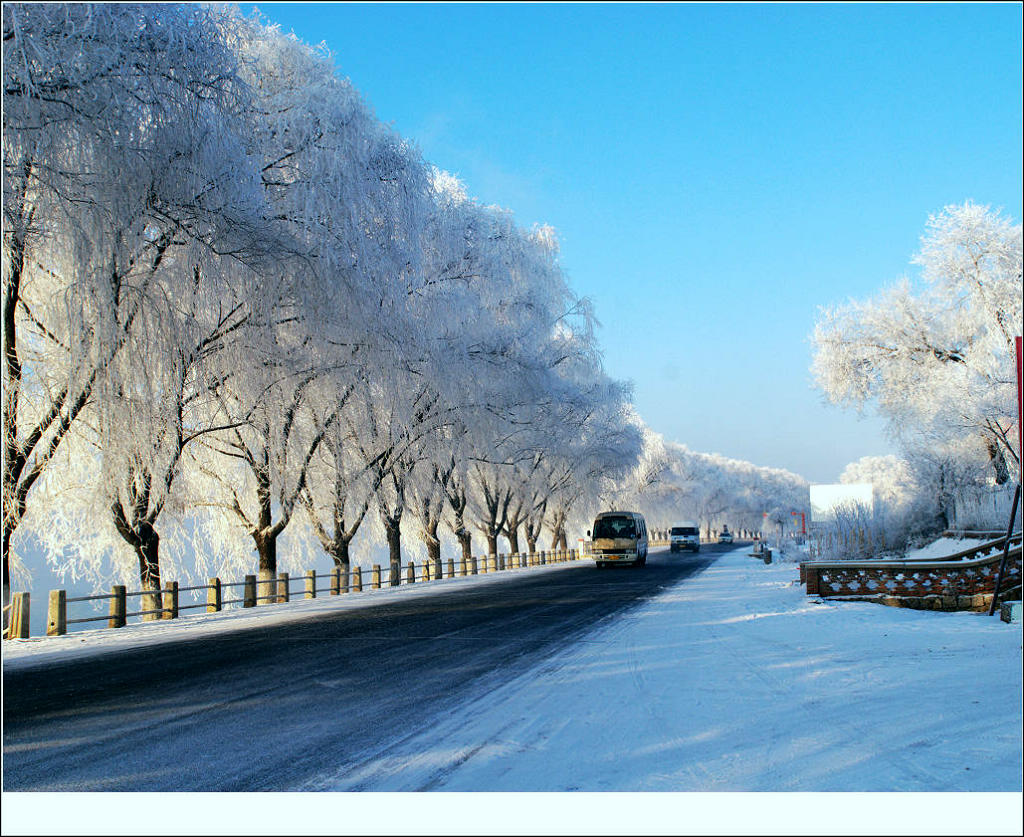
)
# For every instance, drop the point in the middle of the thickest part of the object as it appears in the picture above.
(619, 537)
(725, 536)
(684, 536)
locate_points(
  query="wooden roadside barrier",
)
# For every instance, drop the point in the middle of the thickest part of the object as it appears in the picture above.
(257, 589)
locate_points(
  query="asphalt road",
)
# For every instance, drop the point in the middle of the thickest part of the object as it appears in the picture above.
(267, 709)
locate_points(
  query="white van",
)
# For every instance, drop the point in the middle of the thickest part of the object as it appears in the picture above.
(684, 536)
(619, 537)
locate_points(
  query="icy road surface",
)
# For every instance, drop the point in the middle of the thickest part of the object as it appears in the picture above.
(277, 705)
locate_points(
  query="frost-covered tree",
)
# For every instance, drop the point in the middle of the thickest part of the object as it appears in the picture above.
(348, 192)
(233, 300)
(673, 483)
(120, 155)
(935, 358)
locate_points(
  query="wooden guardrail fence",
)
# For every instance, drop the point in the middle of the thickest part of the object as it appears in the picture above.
(262, 588)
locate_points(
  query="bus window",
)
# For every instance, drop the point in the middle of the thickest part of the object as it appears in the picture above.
(614, 527)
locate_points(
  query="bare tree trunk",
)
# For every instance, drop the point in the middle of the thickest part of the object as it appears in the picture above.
(7, 567)
(512, 533)
(433, 544)
(145, 542)
(340, 554)
(148, 551)
(136, 526)
(393, 529)
(265, 534)
(465, 538)
(266, 549)
(998, 462)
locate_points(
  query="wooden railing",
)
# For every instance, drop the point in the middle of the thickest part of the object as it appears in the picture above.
(966, 580)
(265, 588)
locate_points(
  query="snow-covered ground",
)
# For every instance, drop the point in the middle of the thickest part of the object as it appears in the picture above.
(734, 680)
(942, 547)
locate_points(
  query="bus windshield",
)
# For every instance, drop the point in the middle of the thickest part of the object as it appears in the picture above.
(614, 527)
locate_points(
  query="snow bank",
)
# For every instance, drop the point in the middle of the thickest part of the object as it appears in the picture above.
(942, 547)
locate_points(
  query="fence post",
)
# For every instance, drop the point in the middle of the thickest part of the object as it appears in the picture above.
(118, 607)
(462, 566)
(57, 615)
(170, 606)
(357, 579)
(410, 573)
(473, 569)
(310, 584)
(249, 592)
(18, 626)
(451, 568)
(214, 597)
(283, 593)
(266, 587)
(336, 581)
(375, 577)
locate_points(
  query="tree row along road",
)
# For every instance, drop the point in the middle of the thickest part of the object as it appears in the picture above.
(268, 708)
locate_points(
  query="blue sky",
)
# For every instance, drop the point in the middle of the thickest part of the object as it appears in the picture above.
(715, 172)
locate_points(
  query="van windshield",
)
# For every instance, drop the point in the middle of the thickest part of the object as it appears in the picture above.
(614, 527)
(684, 530)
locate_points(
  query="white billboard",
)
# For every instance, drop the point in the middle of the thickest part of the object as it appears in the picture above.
(825, 499)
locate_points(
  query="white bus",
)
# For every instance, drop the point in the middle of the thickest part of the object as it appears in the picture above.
(619, 537)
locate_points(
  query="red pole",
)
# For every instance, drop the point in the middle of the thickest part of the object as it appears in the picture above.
(1020, 409)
